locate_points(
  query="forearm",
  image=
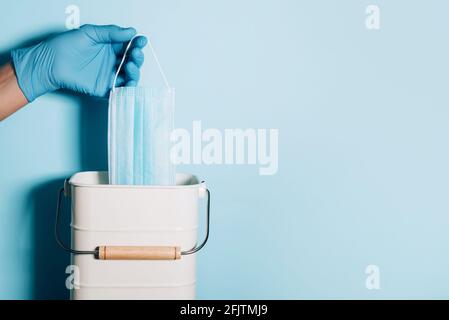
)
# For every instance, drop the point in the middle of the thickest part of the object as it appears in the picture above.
(11, 97)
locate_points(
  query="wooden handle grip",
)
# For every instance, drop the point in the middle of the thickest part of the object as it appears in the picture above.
(138, 253)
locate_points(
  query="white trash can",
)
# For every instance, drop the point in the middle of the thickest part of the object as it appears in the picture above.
(133, 242)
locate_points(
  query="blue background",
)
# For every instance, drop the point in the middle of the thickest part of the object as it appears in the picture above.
(363, 160)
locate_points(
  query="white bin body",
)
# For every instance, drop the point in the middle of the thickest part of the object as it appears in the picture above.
(110, 215)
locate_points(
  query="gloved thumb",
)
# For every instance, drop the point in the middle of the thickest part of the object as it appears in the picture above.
(110, 33)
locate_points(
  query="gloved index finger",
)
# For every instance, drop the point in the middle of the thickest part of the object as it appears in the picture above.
(110, 33)
(140, 42)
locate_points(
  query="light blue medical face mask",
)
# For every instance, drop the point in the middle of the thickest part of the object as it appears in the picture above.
(141, 121)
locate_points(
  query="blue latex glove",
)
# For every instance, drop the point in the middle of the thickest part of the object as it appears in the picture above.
(83, 60)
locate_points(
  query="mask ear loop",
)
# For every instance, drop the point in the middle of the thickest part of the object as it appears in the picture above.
(155, 58)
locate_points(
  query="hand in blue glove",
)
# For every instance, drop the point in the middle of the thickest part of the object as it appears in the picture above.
(83, 60)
